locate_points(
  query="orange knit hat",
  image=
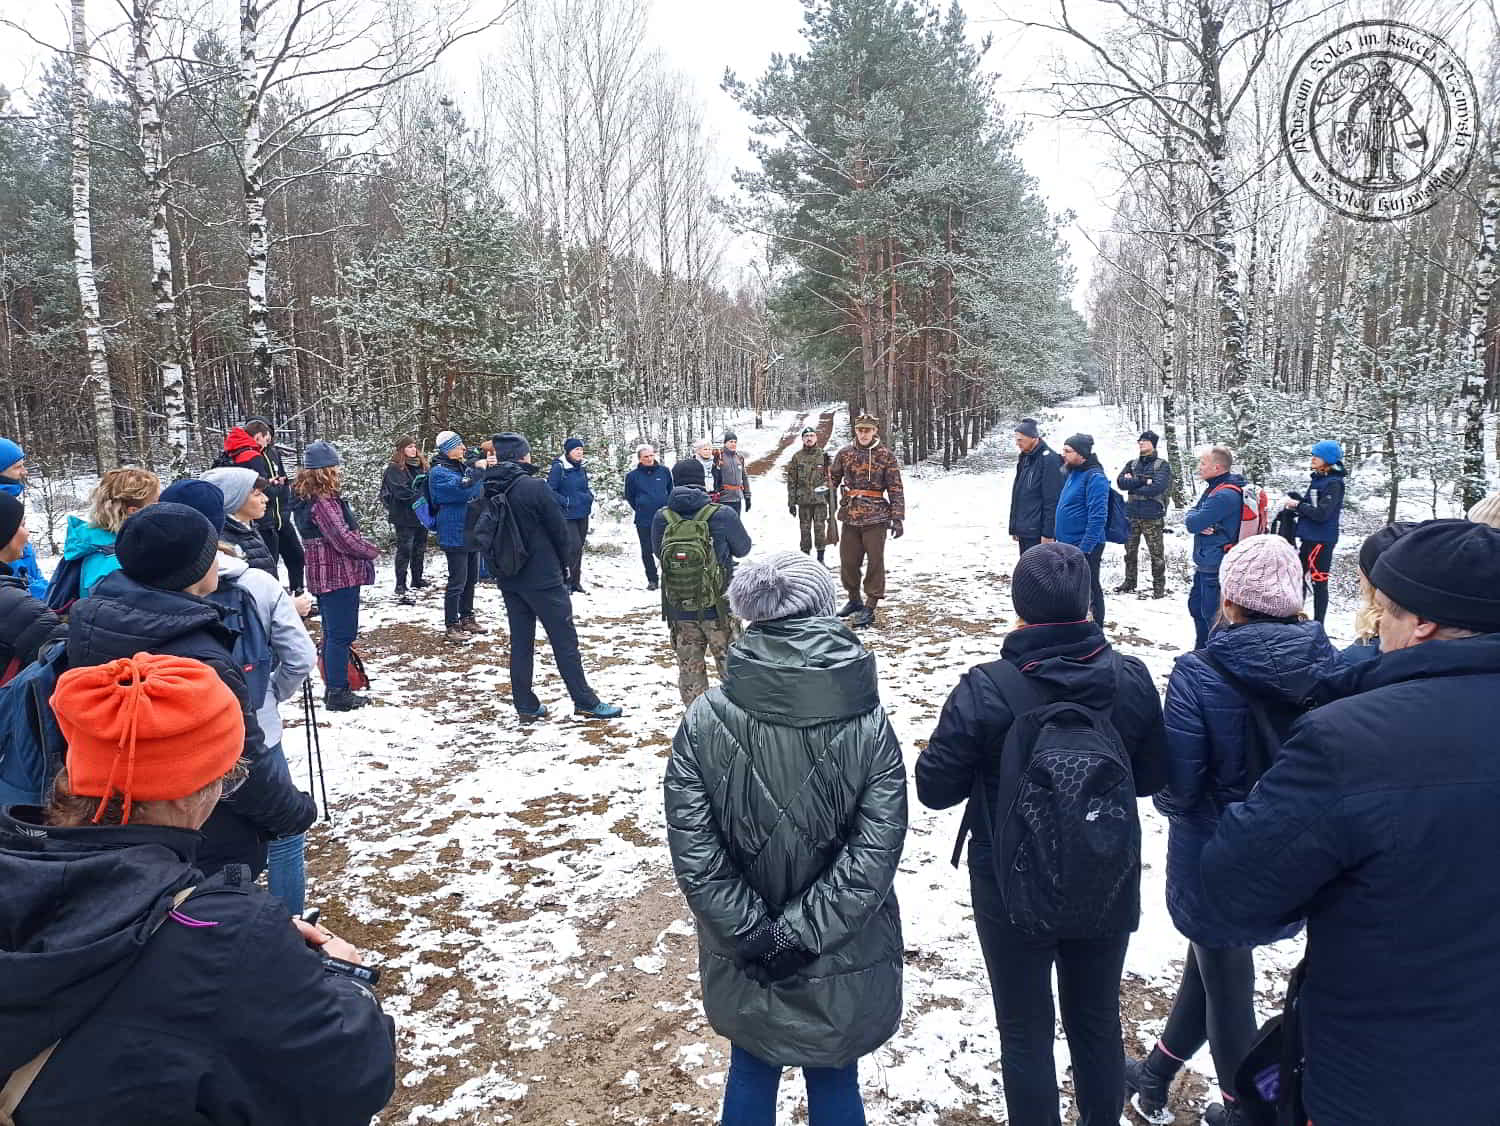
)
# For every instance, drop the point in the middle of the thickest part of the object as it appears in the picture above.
(148, 727)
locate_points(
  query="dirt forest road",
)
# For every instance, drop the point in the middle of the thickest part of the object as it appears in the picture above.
(514, 883)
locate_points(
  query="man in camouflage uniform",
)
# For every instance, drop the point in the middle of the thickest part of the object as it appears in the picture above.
(872, 505)
(808, 490)
(1146, 481)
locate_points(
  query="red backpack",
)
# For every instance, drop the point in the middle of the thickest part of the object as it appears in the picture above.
(1255, 512)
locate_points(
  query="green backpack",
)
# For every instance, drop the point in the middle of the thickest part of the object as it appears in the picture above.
(691, 579)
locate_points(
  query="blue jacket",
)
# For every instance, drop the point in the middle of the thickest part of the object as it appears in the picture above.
(1359, 652)
(1083, 507)
(453, 485)
(95, 547)
(1033, 497)
(1378, 824)
(237, 1017)
(26, 566)
(1208, 728)
(1145, 481)
(570, 484)
(1069, 662)
(1318, 514)
(1221, 512)
(647, 490)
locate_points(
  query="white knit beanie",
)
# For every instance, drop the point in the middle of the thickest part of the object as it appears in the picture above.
(1487, 511)
(781, 585)
(1263, 574)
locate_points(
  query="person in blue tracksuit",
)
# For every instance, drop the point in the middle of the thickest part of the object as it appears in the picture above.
(647, 488)
(1214, 523)
(569, 481)
(13, 483)
(1318, 512)
(453, 483)
(1083, 510)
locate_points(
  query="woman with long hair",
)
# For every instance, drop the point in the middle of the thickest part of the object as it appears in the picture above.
(398, 492)
(339, 562)
(119, 493)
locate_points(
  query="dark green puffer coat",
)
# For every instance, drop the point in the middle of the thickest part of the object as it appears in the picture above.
(786, 796)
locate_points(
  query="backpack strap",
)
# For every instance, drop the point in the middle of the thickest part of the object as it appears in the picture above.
(21, 1080)
(1267, 740)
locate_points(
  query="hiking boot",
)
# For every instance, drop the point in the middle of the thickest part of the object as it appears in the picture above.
(1224, 1114)
(404, 599)
(344, 700)
(469, 625)
(862, 617)
(820, 557)
(601, 710)
(1158, 594)
(653, 585)
(1148, 1089)
(455, 633)
(420, 584)
(577, 590)
(1125, 588)
(853, 606)
(529, 717)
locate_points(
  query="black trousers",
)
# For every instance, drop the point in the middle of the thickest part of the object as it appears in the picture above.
(553, 607)
(411, 551)
(1215, 1005)
(1096, 595)
(1088, 986)
(286, 545)
(1025, 544)
(1317, 565)
(578, 532)
(648, 557)
(458, 595)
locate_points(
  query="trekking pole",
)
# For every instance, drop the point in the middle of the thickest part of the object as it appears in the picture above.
(314, 748)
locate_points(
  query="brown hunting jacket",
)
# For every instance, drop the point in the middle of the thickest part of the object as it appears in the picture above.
(858, 470)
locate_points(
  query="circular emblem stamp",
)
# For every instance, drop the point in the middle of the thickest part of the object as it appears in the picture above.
(1380, 120)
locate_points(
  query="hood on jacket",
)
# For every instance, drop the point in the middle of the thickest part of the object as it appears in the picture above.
(800, 672)
(84, 539)
(1067, 659)
(685, 500)
(239, 441)
(232, 566)
(508, 472)
(12, 488)
(78, 909)
(121, 612)
(1283, 661)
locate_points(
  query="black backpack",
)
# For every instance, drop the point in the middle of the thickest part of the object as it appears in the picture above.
(1066, 829)
(66, 586)
(496, 533)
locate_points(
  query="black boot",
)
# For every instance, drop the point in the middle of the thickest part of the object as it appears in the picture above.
(820, 557)
(1149, 1080)
(853, 606)
(1224, 1114)
(344, 700)
(1125, 588)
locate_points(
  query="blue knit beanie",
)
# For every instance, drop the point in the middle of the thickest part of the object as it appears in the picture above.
(204, 496)
(448, 441)
(10, 453)
(321, 455)
(1329, 450)
(573, 444)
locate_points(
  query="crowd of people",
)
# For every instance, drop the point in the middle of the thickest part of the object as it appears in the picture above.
(1345, 792)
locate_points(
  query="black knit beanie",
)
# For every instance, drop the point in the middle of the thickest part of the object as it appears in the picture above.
(1083, 444)
(166, 545)
(688, 471)
(1375, 545)
(1447, 571)
(1150, 436)
(12, 512)
(1051, 584)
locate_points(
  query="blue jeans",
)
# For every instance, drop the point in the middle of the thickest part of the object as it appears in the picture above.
(750, 1093)
(286, 870)
(340, 612)
(1203, 605)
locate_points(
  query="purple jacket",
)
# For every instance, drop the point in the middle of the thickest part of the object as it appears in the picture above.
(337, 555)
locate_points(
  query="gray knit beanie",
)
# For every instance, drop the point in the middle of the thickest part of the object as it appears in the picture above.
(784, 584)
(236, 484)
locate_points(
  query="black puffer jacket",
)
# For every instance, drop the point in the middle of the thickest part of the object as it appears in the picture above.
(25, 623)
(398, 493)
(786, 797)
(1033, 496)
(121, 618)
(251, 543)
(221, 1016)
(540, 522)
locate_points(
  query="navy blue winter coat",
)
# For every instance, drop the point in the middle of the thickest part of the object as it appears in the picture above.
(1146, 482)
(1208, 732)
(1071, 662)
(731, 541)
(1378, 823)
(647, 490)
(1359, 652)
(1318, 513)
(1218, 508)
(221, 1017)
(1033, 497)
(1083, 507)
(121, 618)
(453, 485)
(570, 484)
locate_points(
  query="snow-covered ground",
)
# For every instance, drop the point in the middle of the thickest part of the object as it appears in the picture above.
(514, 885)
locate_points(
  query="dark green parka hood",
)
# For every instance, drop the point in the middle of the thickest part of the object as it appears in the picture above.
(786, 797)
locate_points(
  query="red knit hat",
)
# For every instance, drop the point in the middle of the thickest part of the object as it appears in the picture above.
(148, 727)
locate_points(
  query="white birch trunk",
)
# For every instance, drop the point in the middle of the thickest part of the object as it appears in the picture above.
(83, 252)
(257, 238)
(1471, 397)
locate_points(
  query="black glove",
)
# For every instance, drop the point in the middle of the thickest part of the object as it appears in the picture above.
(791, 510)
(747, 502)
(1296, 497)
(770, 952)
(898, 529)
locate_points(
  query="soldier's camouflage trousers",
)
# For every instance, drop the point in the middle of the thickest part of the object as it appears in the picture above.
(813, 519)
(692, 641)
(1150, 531)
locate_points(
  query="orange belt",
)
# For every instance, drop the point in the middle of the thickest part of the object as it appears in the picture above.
(873, 494)
(741, 488)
